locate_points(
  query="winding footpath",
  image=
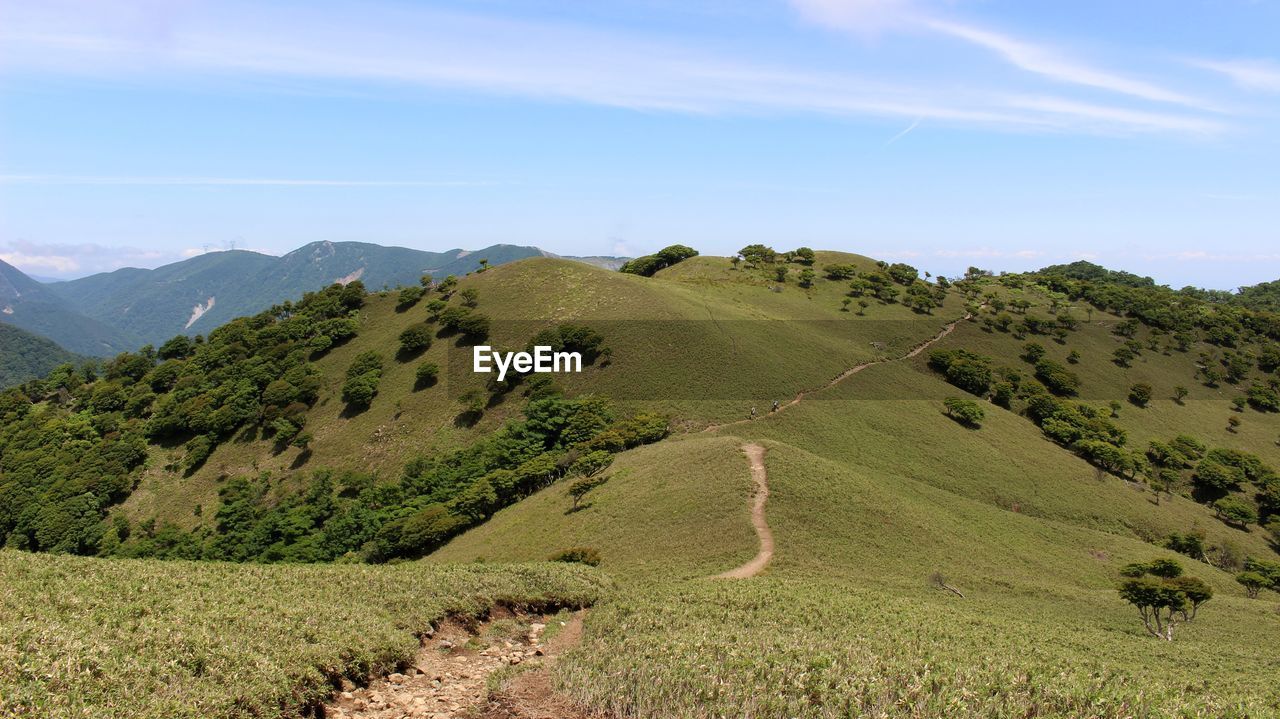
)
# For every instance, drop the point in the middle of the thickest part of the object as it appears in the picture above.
(946, 330)
(755, 454)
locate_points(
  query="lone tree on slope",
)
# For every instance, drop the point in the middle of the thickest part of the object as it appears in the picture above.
(1164, 597)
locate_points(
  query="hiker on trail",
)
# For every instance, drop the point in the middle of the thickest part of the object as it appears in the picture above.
(775, 406)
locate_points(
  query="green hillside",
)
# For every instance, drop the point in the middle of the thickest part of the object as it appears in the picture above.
(25, 356)
(960, 473)
(38, 309)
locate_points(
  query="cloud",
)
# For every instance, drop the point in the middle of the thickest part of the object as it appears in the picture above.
(876, 15)
(861, 16)
(905, 132)
(218, 181)
(403, 46)
(75, 260)
(1257, 75)
(1042, 61)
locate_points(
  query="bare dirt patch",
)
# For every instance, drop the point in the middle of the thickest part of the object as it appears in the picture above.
(495, 668)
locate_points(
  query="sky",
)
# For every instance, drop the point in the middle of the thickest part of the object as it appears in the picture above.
(1007, 134)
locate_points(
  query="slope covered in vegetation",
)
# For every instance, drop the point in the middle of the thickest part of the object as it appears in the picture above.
(1030, 441)
(26, 356)
(163, 640)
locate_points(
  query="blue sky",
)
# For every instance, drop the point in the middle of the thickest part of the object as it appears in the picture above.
(1142, 134)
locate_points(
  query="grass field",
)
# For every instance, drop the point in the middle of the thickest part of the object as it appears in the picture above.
(165, 640)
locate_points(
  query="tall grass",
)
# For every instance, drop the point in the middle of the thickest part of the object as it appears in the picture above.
(773, 648)
(167, 640)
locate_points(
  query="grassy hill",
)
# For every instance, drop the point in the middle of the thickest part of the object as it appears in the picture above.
(1031, 513)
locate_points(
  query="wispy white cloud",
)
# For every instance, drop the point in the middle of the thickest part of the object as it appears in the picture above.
(75, 259)
(863, 16)
(402, 45)
(1035, 58)
(1257, 75)
(904, 132)
(229, 181)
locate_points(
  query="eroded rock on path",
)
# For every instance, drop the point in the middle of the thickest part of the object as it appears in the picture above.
(454, 670)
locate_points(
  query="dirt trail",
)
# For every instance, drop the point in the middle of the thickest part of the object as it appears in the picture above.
(755, 453)
(453, 673)
(946, 330)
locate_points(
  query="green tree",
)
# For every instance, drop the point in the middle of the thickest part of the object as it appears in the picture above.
(1236, 511)
(840, 272)
(583, 485)
(1140, 394)
(1163, 602)
(415, 340)
(1252, 583)
(426, 374)
(964, 411)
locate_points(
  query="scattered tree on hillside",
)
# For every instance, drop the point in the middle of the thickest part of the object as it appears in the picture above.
(415, 340)
(1236, 511)
(1164, 598)
(756, 255)
(840, 272)
(581, 486)
(426, 374)
(1140, 394)
(803, 255)
(409, 296)
(1252, 583)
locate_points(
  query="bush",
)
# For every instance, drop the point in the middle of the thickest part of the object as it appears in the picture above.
(964, 411)
(426, 374)
(1236, 511)
(648, 265)
(1140, 394)
(1214, 475)
(360, 390)
(580, 555)
(1058, 379)
(415, 340)
(409, 296)
(966, 370)
(840, 272)
(1252, 583)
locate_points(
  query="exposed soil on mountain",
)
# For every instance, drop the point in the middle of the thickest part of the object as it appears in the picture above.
(755, 453)
(497, 668)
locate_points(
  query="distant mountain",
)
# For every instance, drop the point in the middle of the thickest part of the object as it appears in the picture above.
(195, 296)
(24, 355)
(37, 308)
(607, 262)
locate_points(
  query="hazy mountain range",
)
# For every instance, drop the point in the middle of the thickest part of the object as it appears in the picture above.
(110, 312)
